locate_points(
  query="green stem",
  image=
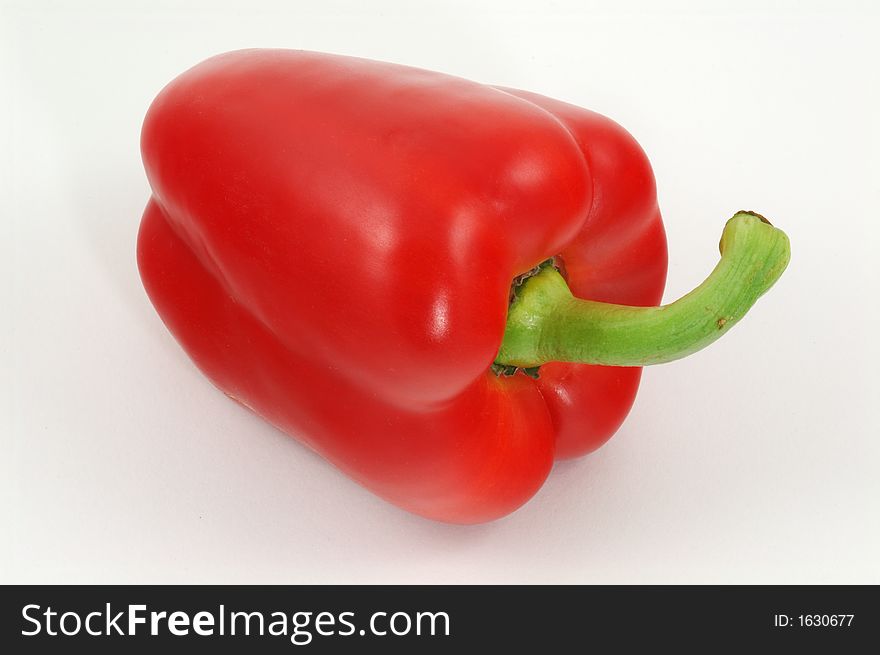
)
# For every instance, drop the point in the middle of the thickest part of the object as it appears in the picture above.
(546, 323)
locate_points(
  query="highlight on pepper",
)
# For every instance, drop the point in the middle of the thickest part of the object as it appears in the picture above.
(440, 286)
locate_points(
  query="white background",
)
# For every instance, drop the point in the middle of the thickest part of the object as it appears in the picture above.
(756, 460)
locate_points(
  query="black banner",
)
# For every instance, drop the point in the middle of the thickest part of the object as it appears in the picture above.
(113, 619)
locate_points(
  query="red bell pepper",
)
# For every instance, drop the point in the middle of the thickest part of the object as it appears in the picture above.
(333, 241)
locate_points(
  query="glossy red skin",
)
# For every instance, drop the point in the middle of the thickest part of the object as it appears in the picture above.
(332, 241)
